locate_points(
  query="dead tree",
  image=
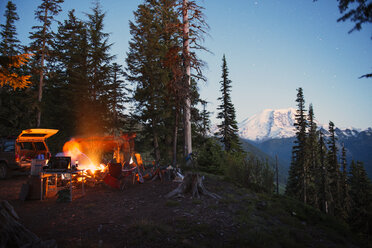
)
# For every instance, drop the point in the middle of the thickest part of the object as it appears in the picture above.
(192, 183)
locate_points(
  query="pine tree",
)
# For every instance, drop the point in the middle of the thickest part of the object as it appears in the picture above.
(345, 198)
(360, 217)
(325, 196)
(15, 100)
(153, 48)
(66, 93)
(205, 121)
(116, 96)
(228, 129)
(298, 172)
(42, 39)
(313, 160)
(96, 113)
(334, 171)
(9, 45)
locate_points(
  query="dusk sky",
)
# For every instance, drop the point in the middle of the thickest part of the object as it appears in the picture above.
(272, 47)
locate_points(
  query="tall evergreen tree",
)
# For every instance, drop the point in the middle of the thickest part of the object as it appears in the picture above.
(67, 89)
(313, 160)
(228, 129)
(334, 171)
(42, 39)
(324, 193)
(345, 198)
(156, 83)
(14, 102)
(360, 217)
(117, 96)
(298, 172)
(95, 117)
(9, 45)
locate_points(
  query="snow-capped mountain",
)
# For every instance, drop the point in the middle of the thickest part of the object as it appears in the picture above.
(277, 124)
(268, 124)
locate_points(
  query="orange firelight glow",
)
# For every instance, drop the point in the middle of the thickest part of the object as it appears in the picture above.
(74, 149)
(87, 152)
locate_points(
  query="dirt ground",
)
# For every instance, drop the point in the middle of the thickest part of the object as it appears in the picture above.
(103, 216)
(140, 216)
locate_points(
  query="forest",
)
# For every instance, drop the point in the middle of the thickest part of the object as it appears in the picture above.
(66, 79)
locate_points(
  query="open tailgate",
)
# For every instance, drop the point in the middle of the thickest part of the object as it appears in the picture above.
(36, 134)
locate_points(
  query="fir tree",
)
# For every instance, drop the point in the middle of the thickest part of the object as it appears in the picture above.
(345, 198)
(9, 45)
(334, 171)
(96, 113)
(205, 121)
(313, 160)
(360, 217)
(156, 83)
(42, 39)
(66, 93)
(15, 100)
(324, 194)
(298, 172)
(228, 129)
(116, 96)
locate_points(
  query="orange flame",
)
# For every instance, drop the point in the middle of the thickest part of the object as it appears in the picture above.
(74, 149)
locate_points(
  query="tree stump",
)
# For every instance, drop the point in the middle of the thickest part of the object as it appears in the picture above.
(193, 183)
(14, 234)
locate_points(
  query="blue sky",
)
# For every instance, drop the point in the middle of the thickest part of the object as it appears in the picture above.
(272, 47)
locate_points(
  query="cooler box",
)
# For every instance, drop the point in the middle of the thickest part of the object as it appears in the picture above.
(36, 166)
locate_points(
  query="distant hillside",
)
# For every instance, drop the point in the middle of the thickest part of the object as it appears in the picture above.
(358, 148)
(249, 147)
(272, 132)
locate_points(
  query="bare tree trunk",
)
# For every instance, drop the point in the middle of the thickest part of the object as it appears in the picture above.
(41, 82)
(175, 134)
(156, 142)
(186, 61)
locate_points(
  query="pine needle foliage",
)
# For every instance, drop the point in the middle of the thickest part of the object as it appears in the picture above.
(228, 129)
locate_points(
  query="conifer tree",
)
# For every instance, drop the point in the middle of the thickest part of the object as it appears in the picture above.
(116, 96)
(9, 45)
(42, 39)
(228, 129)
(345, 198)
(153, 43)
(334, 171)
(96, 113)
(298, 171)
(205, 121)
(325, 197)
(66, 93)
(360, 217)
(15, 100)
(313, 160)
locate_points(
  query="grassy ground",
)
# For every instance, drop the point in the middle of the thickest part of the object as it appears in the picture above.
(141, 216)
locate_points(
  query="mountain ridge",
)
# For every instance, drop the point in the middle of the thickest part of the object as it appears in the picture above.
(279, 123)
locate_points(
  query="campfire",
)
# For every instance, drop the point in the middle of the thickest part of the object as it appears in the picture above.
(93, 155)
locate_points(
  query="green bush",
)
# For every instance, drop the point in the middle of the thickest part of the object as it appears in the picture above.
(211, 157)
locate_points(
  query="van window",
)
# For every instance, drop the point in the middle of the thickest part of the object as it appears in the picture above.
(40, 146)
(26, 146)
(9, 146)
